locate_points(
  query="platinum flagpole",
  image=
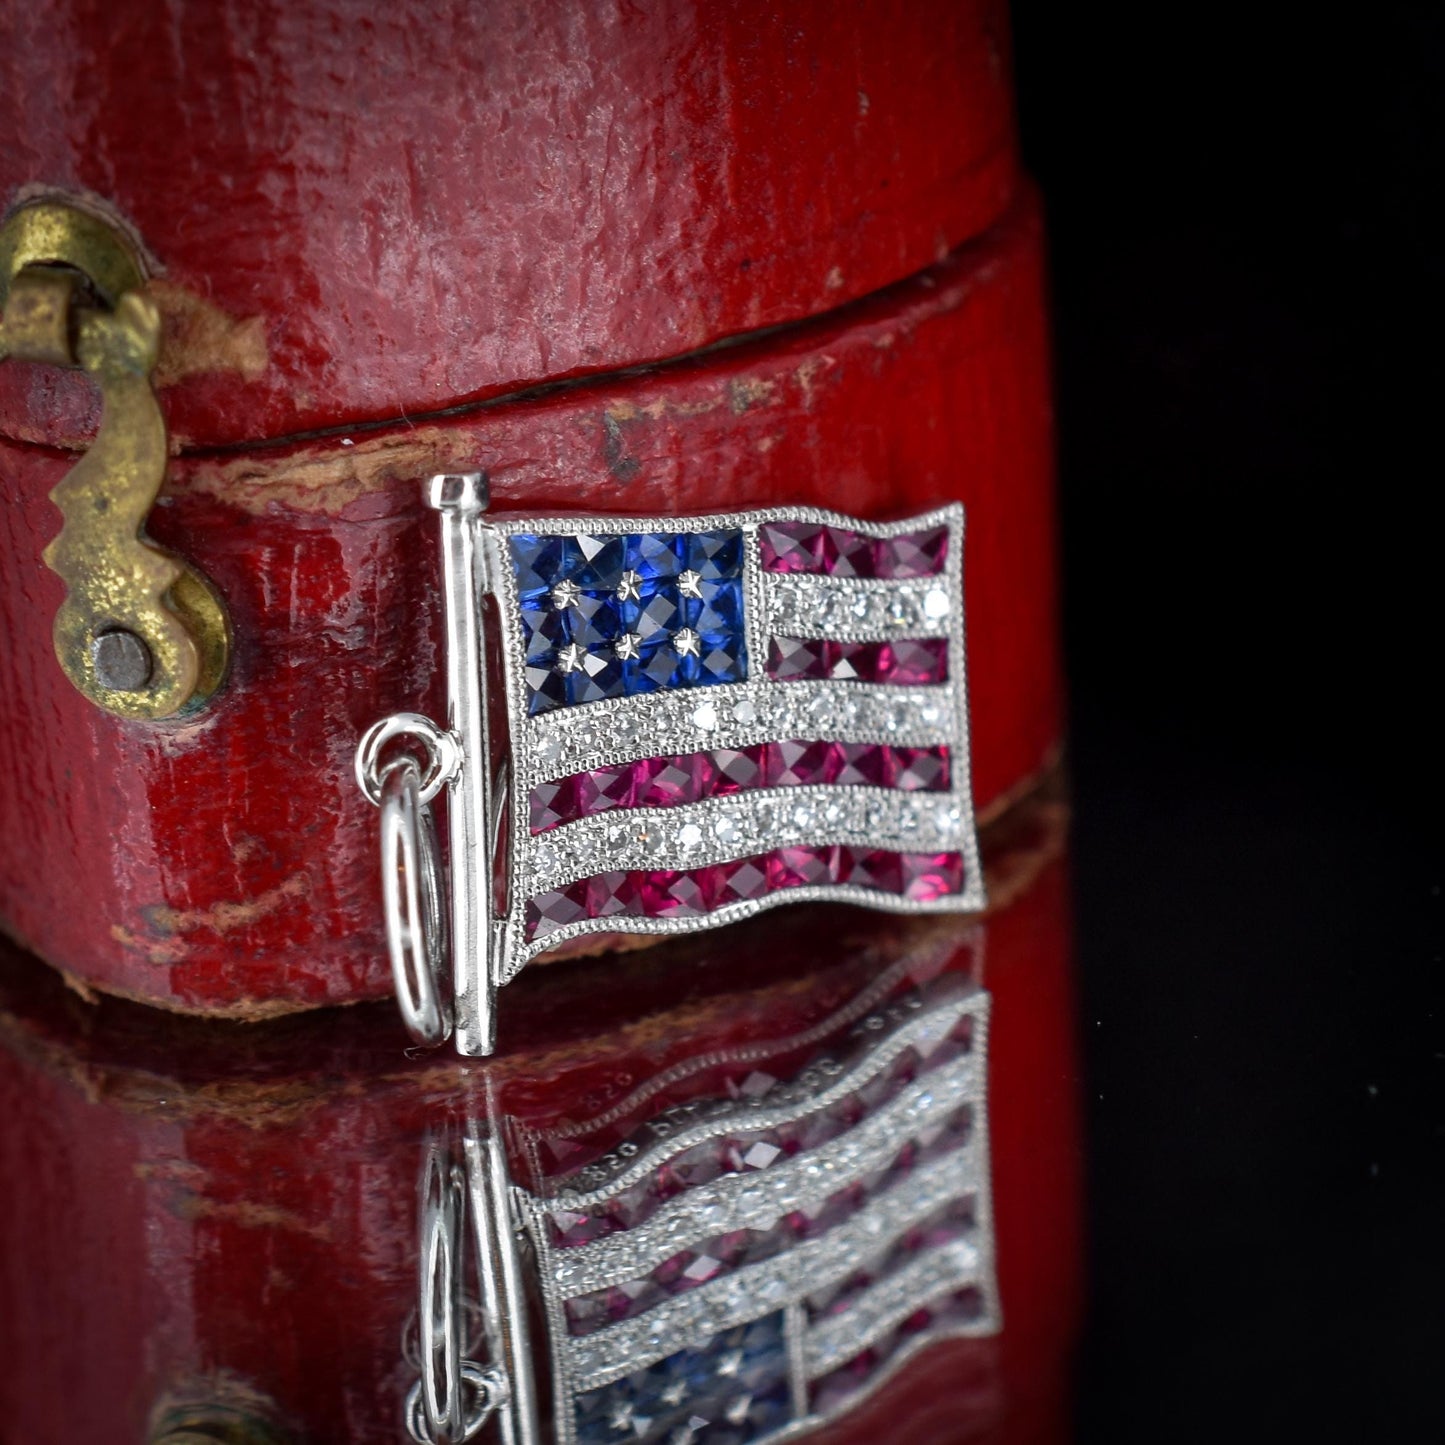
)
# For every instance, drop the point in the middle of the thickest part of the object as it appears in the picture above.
(461, 499)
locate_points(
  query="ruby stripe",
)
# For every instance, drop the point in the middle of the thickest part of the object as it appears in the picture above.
(842, 552)
(693, 893)
(693, 777)
(906, 662)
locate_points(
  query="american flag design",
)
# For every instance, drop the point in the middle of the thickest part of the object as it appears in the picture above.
(711, 715)
(754, 1260)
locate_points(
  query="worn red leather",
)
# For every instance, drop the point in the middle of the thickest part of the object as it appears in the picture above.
(431, 244)
(366, 211)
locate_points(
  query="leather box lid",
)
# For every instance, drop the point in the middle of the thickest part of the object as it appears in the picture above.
(363, 212)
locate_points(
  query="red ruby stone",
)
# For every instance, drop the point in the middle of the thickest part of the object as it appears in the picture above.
(791, 658)
(921, 769)
(553, 803)
(737, 769)
(913, 661)
(611, 895)
(604, 788)
(915, 554)
(550, 911)
(874, 868)
(800, 867)
(847, 554)
(926, 876)
(737, 882)
(665, 894)
(791, 546)
(796, 763)
(666, 782)
(864, 765)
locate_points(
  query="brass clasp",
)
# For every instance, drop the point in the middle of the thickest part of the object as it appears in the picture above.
(140, 633)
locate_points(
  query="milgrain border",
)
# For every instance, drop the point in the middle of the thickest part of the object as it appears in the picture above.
(511, 949)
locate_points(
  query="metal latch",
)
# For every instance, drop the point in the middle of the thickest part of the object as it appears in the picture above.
(140, 633)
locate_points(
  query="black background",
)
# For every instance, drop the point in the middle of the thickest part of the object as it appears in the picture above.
(1245, 284)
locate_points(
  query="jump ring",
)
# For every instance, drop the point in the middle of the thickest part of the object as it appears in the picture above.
(412, 902)
(487, 1389)
(443, 753)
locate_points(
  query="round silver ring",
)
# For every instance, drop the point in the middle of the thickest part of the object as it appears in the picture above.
(442, 1202)
(443, 753)
(487, 1392)
(411, 891)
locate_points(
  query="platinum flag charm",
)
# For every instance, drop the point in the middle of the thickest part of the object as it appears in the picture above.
(704, 716)
(734, 1267)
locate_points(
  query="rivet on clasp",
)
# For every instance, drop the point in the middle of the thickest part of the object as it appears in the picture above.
(140, 633)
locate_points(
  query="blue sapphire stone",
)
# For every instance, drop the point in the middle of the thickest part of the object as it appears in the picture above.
(597, 618)
(737, 1383)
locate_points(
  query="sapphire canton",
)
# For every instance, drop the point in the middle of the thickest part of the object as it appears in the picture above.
(731, 1391)
(610, 616)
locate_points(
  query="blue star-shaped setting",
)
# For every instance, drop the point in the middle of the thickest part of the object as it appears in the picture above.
(736, 1385)
(614, 615)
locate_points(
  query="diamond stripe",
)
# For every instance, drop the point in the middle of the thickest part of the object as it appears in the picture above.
(625, 730)
(851, 609)
(718, 830)
(933, 1274)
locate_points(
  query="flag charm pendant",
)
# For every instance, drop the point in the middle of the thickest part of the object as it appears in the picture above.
(667, 724)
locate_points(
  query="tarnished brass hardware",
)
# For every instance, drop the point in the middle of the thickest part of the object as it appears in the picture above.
(140, 633)
(214, 1424)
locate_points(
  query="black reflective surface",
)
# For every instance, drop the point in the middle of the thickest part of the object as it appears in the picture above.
(1246, 289)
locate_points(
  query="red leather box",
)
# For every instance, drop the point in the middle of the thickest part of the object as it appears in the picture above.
(675, 259)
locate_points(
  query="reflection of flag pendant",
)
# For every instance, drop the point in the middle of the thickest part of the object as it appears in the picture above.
(753, 1260)
(704, 717)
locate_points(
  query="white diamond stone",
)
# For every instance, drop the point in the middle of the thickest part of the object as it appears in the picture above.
(704, 716)
(935, 604)
(744, 712)
(689, 836)
(900, 611)
(544, 858)
(725, 829)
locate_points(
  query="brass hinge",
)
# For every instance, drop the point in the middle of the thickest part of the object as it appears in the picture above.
(140, 633)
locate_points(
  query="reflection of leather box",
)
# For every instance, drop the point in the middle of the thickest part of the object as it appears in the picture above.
(214, 1217)
(402, 243)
